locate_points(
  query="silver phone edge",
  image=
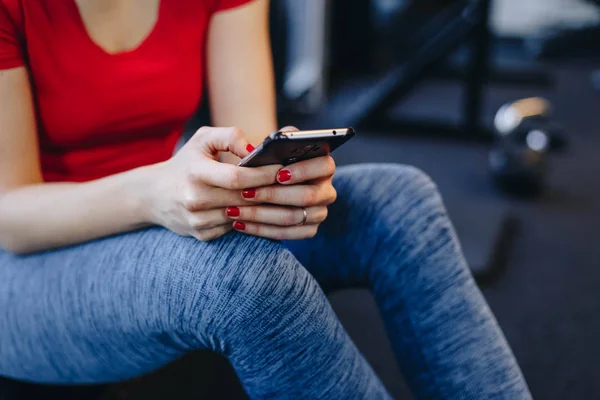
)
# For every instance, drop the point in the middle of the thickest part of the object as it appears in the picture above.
(296, 135)
(316, 134)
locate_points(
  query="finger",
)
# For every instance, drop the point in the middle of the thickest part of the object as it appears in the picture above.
(276, 232)
(210, 234)
(208, 219)
(307, 170)
(279, 216)
(319, 193)
(232, 177)
(214, 140)
(216, 198)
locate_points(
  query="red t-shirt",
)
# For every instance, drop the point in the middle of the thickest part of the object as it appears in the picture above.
(100, 114)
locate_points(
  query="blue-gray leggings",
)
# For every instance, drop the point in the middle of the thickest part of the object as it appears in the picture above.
(119, 307)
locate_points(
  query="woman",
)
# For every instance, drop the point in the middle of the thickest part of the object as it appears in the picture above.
(118, 258)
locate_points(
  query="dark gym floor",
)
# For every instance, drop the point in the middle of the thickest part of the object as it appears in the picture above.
(548, 300)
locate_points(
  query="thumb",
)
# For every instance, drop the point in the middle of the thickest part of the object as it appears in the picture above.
(214, 140)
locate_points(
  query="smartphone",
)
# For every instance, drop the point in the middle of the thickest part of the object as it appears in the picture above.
(289, 147)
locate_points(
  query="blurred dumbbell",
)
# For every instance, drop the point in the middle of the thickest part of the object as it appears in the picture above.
(524, 137)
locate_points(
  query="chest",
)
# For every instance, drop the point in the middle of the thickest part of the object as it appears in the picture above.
(94, 84)
(118, 26)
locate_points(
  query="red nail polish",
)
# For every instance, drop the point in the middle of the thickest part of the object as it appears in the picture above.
(249, 193)
(233, 212)
(240, 226)
(250, 148)
(284, 175)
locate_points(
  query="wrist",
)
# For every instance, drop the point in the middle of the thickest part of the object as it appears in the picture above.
(140, 188)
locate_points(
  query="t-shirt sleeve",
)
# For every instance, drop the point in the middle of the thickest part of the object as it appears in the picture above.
(222, 5)
(11, 51)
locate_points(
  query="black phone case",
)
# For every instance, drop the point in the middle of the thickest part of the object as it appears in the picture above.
(281, 149)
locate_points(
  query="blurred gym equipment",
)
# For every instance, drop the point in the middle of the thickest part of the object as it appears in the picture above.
(442, 31)
(563, 39)
(410, 41)
(418, 39)
(300, 44)
(518, 158)
(569, 41)
(525, 136)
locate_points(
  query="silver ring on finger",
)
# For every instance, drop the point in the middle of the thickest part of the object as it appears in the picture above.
(304, 216)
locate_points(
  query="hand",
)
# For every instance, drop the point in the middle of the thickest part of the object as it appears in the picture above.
(306, 184)
(189, 193)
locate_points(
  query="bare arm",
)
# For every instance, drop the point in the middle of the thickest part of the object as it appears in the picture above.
(186, 194)
(240, 71)
(36, 215)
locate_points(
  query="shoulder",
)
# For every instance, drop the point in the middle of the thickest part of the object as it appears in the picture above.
(11, 25)
(12, 11)
(22, 12)
(17, 19)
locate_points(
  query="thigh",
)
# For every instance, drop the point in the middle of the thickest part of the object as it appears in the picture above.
(374, 200)
(113, 308)
(119, 307)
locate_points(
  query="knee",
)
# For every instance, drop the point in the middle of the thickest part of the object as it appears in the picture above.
(408, 205)
(399, 206)
(241, 288)
(259, 296)
(389, 188)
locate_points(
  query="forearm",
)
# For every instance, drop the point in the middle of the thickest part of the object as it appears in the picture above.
(51, 215)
